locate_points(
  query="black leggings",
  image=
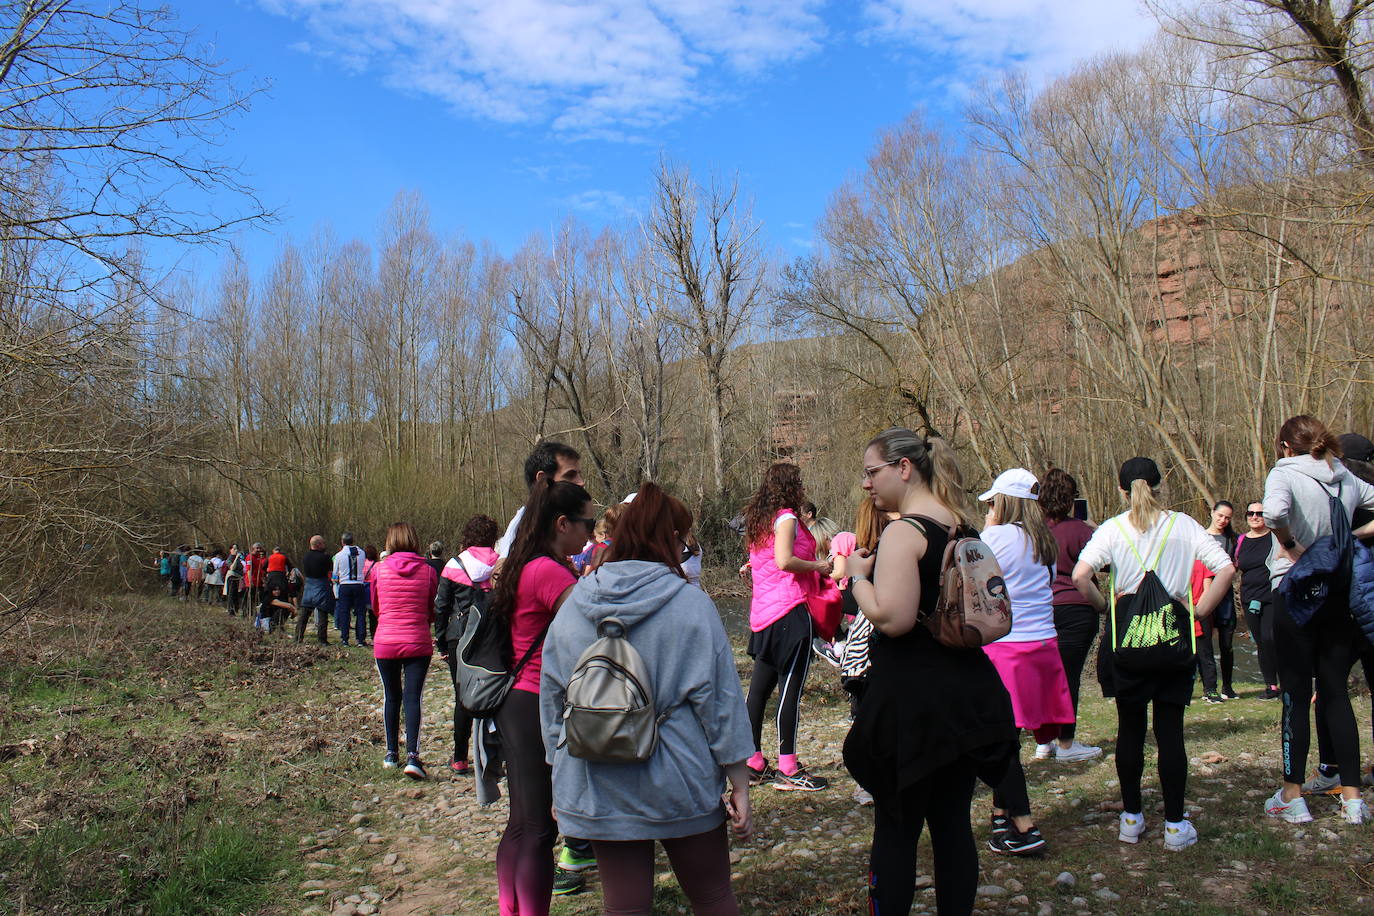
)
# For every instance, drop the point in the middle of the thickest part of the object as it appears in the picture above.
(1261, 627)
(1226, 633)
(1327, 648)
(1132, 720)
(787, 657)
(1010, 794)
(1324, 751)
(524, 857)
(462, 721)
(1076, 625)
(403, 680)
(942, 800)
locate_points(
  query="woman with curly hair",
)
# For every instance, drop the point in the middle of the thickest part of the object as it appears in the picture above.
(782, 560)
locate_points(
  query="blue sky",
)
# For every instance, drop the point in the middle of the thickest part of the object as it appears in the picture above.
(509, 115)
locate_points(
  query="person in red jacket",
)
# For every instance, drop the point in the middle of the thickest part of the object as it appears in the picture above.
(403, 588)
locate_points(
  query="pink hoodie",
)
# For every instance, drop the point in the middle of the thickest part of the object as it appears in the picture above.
(403, 588)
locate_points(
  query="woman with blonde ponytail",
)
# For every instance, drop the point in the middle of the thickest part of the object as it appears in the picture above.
(1027, 658)
(1301, 494)
(1142, 542)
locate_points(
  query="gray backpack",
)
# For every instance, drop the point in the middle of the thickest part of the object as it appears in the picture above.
(608, 711)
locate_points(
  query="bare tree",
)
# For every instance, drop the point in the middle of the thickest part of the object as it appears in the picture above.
(714, 268)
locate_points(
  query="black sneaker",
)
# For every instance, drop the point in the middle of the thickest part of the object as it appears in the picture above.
(568, 882)
(1270, 694)
(1016, 843)
(1229, 694)
(391, 761)
(1213, 699)
(759, 777)
(1000, 824)
(414, 768)
(800, 781)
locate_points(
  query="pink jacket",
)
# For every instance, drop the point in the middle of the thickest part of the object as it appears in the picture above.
(777, 591)
(403, 588)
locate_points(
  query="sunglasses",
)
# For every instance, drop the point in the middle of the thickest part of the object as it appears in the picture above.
(1250, 514)
(589, 522)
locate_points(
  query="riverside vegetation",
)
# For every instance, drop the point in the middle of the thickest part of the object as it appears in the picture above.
(162, 758)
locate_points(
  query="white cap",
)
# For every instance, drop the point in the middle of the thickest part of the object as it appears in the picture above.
(630, 498)
(1017, 482)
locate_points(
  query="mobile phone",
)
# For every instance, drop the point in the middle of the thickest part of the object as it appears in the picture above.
(1080, 509)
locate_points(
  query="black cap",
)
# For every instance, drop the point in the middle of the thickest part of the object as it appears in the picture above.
(1355, 446)
(1139, 469)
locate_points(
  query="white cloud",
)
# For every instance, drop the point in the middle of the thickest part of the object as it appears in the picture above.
(593, 67)
(603, 203)
(1042, 37)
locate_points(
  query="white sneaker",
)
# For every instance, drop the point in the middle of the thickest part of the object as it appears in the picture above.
(1179, 835)
(1294, 812)
(1132, 826)
(1045, 751)
(1354, 810)
(1077, 751)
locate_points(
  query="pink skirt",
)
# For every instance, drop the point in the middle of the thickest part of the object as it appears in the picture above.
(1033, 674)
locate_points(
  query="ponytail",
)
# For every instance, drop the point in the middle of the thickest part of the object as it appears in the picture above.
(1145, 507)
(935, 460)
(1306, 435)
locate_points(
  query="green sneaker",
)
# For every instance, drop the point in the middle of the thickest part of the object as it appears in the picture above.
(568, 882)
(571, 861)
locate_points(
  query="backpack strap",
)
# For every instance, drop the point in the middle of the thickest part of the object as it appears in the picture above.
(529, 653)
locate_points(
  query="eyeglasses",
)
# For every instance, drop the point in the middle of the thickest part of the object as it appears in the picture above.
(1259, 514)
(869, 472)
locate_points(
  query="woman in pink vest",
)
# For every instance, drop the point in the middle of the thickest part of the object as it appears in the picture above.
(782, 561)
(403, 589)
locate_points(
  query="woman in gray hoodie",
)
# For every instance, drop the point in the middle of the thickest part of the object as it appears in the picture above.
(1298, 508)
(675, 796)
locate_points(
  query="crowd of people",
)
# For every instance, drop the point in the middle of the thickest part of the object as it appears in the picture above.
(1153, 588)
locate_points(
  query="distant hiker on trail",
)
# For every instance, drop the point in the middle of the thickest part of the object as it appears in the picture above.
(273, 606)
(351, 603)
(317, 594)
(702, 741)
(1149, 659)
(403, 588)
(233, 579)
(255, 573)
(195, 574)
(214, 578)
(472, 567)
(164, 567)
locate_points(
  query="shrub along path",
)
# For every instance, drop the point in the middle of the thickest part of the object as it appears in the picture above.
(160, 757)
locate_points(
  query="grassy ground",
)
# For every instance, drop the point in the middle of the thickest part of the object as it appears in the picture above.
(162, 758)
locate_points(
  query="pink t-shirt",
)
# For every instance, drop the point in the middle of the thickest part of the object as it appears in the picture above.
(542, 581)
(842, 545)
(775, 591)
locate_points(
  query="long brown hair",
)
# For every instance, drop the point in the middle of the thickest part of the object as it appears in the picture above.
(1306, 435)
(781, 489)
(651, 528)
(1057, 492)
(549, 500)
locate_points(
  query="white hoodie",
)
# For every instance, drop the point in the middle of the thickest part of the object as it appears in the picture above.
(1297, 496)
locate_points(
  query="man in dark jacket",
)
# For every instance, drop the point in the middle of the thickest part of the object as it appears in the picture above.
(317, 596)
